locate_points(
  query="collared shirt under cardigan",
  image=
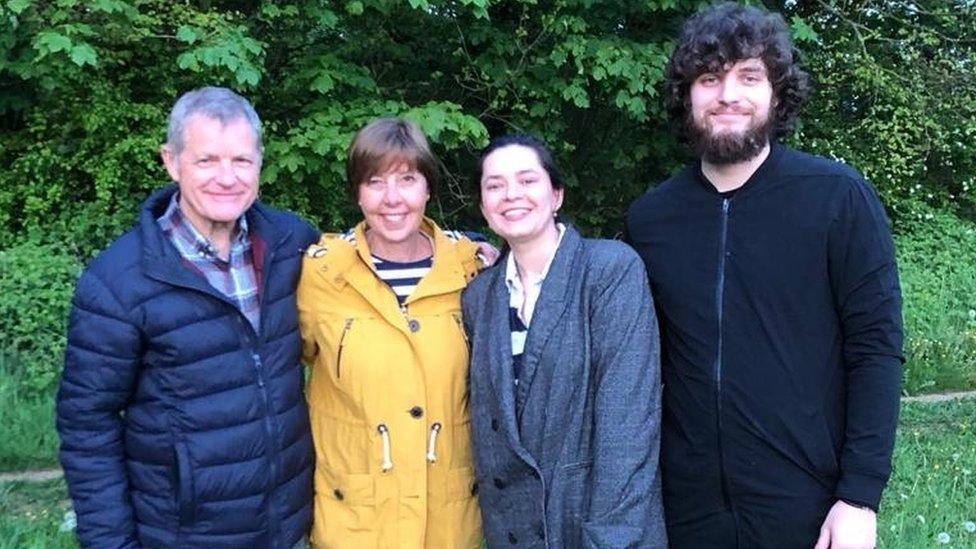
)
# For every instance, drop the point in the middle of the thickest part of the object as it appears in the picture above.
(522, 302)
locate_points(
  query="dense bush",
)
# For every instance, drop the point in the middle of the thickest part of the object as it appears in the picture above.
(937, 261)
(895, 95)
(36, 283)
(85, 86)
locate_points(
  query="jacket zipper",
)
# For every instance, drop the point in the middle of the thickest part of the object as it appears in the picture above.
(270, 422)
(342, 339)
(457, 318)
(719, 302)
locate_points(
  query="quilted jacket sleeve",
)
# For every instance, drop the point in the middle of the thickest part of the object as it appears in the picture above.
(100, 368)
(625, 502)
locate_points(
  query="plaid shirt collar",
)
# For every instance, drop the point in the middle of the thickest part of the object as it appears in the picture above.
(236, 277)
(189, 240)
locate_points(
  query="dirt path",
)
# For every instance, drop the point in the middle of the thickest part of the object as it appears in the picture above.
(41, 475)
(940, 397)
(38, 475)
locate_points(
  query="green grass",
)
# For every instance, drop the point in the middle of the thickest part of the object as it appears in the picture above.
(27, 432)
(31, 513)
(932, 489)
(937, 265)
(933, 485)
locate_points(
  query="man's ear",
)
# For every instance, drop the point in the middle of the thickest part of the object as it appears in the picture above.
(171, 161)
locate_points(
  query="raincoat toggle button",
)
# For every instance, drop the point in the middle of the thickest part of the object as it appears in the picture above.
(416, 412)
(338, 494)
(414, 325)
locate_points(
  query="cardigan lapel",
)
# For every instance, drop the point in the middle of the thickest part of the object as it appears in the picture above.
(499, 345)
(549, 309)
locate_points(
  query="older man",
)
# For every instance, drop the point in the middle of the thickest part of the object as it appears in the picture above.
(180, 411)
(778, 297)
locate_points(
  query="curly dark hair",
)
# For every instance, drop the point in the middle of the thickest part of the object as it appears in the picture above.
(724, 34)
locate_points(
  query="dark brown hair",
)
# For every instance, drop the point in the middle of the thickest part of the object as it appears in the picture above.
(724, 34)
(536, 145)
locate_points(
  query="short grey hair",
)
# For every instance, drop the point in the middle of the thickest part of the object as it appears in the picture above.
(213, 102)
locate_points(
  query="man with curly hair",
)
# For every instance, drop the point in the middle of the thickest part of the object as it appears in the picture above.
(779, 306)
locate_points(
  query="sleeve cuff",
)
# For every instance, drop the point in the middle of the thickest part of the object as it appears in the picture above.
(858, 504)
(860, 490)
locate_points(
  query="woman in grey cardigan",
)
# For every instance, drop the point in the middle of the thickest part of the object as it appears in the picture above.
(565, 382)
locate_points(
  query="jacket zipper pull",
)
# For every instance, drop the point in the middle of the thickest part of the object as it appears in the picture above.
(342, 343)
(387, 462)
(432, 443)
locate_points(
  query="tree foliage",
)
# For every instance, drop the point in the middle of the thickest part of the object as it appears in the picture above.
(896, 83)
(85, 86)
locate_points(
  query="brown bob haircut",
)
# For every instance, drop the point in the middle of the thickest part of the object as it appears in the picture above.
(384, 144)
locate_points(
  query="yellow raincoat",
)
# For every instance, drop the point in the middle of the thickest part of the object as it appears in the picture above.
(388, 398)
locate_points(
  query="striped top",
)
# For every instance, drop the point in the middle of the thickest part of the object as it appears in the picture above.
(402, 277)
(519, 332)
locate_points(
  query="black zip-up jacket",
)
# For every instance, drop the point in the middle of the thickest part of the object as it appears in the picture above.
(780, 315)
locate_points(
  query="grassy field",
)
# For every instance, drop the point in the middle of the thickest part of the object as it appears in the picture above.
(930, 502)
(26, 424)
(31, 515)
(932, 492)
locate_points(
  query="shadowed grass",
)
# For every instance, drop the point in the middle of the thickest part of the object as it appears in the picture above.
(931, 492)
(27, 436)
(31, 513)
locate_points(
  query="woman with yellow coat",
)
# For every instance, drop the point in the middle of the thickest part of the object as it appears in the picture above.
(381, 329)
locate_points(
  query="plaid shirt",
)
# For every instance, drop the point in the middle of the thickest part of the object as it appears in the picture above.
(235, 278)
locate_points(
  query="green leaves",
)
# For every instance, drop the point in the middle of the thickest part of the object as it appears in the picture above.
(802, 32)
(49, 42)
(52, 42)
(895, 96)
(18, 6)
(187, 34)
(228, 48)
(83, 54)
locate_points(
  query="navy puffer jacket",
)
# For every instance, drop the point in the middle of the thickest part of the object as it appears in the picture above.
(180, 425)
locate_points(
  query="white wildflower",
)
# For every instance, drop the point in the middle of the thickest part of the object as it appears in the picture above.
(969, 526)
(69, 522)
(943, 538)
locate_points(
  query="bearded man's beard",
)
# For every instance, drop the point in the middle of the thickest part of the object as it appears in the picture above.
(727, 147)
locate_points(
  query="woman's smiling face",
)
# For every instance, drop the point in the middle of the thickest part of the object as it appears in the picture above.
(517, 196)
